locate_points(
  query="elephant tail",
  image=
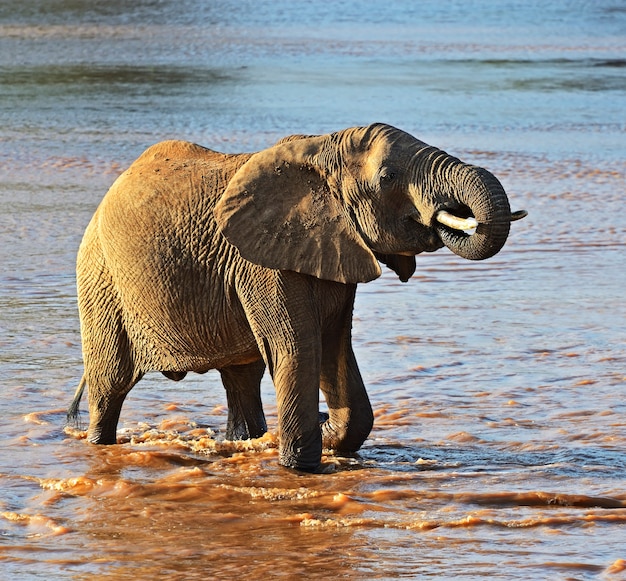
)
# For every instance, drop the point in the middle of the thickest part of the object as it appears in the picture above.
(73, 412)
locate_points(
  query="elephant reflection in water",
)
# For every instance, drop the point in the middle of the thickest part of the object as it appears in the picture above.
(199, 260)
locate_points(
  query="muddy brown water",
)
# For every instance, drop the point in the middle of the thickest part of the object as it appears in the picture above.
(498, 387)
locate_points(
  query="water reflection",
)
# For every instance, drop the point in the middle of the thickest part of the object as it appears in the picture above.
(86, 78)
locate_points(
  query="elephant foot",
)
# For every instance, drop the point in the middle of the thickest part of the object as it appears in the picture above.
(237, 433)
(244, 427)
(342, 437)
(321, 468)
(302, 452)
(102, 436)
(326, 468)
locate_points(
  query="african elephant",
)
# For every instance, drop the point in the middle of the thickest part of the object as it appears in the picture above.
(198, 260)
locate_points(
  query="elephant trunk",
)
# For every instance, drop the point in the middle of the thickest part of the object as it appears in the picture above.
(473, 193)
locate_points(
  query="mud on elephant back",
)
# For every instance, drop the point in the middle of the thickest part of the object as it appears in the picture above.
(198, 260)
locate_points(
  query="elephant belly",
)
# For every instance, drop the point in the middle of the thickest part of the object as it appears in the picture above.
(173, 357)
(177, 342)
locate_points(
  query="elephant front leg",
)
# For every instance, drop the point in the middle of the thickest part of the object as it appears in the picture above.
(297, 395)
(287, 330)
(350, 418)
(295, 367)
(243, 394)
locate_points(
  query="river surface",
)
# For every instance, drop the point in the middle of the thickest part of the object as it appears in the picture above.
(498, 387)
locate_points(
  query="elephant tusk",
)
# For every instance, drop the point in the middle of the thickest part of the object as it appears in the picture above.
(455, 222)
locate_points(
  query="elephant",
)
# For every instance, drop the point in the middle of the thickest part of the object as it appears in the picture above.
(197, 260)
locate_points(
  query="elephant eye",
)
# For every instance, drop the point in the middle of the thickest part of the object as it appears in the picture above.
(387, 177)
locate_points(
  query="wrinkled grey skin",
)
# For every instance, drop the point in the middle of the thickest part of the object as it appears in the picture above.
(198, 260)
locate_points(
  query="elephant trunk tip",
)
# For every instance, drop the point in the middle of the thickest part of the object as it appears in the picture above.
(518, 215)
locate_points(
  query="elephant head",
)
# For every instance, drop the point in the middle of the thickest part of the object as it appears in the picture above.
(331, 206)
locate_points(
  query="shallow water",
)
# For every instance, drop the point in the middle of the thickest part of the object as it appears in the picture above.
(498, 387)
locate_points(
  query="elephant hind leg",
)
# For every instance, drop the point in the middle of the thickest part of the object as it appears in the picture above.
(243, 394)
(106, 397)
(110, 360)
(110, 372)
(104, 415)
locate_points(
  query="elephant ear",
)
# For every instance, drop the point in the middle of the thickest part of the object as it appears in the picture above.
(403, 266)
(280, 212)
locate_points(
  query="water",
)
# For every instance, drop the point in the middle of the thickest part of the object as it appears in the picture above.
(498, 387)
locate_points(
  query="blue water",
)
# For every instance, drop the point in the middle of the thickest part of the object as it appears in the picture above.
(488, 380)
